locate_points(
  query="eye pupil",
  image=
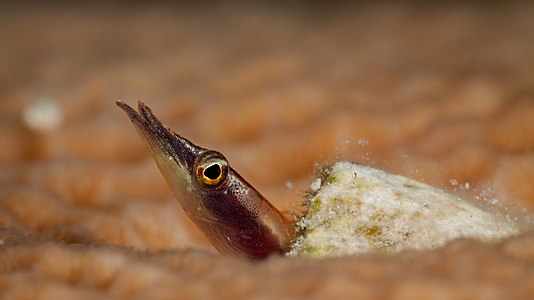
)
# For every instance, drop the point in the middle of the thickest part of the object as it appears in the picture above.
(213, 172)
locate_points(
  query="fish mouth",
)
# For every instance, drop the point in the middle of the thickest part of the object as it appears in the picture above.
(171, 151)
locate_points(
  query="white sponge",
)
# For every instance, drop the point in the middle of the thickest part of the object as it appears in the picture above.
(356, 209)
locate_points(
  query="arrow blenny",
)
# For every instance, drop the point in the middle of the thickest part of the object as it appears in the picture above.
(235, 218)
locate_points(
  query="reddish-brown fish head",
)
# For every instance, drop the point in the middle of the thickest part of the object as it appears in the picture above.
(236, 218)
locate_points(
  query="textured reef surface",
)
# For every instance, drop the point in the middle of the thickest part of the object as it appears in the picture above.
(442, 94)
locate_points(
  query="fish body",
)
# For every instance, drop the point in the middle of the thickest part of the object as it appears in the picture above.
(235, 218)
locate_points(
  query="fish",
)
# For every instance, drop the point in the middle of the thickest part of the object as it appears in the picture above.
(232, 214)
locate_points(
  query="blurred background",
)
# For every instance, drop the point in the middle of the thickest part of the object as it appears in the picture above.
(441, 92)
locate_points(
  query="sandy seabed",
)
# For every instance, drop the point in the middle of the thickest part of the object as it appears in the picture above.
(443, 94)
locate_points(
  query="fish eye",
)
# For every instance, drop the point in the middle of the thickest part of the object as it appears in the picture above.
(212, 172)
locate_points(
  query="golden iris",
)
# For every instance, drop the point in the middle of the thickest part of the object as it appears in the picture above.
(211, 173)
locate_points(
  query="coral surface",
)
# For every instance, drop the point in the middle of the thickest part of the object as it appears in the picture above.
(441, 93)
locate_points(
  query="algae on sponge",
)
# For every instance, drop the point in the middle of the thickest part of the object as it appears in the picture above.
(354, 209)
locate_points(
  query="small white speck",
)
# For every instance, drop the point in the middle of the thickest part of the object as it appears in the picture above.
(363, 142)
(402, 153)
(42, 115)
(453, 182)
(316, 185)
(289, 184)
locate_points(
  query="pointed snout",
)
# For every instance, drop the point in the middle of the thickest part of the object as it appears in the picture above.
(162, 142)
